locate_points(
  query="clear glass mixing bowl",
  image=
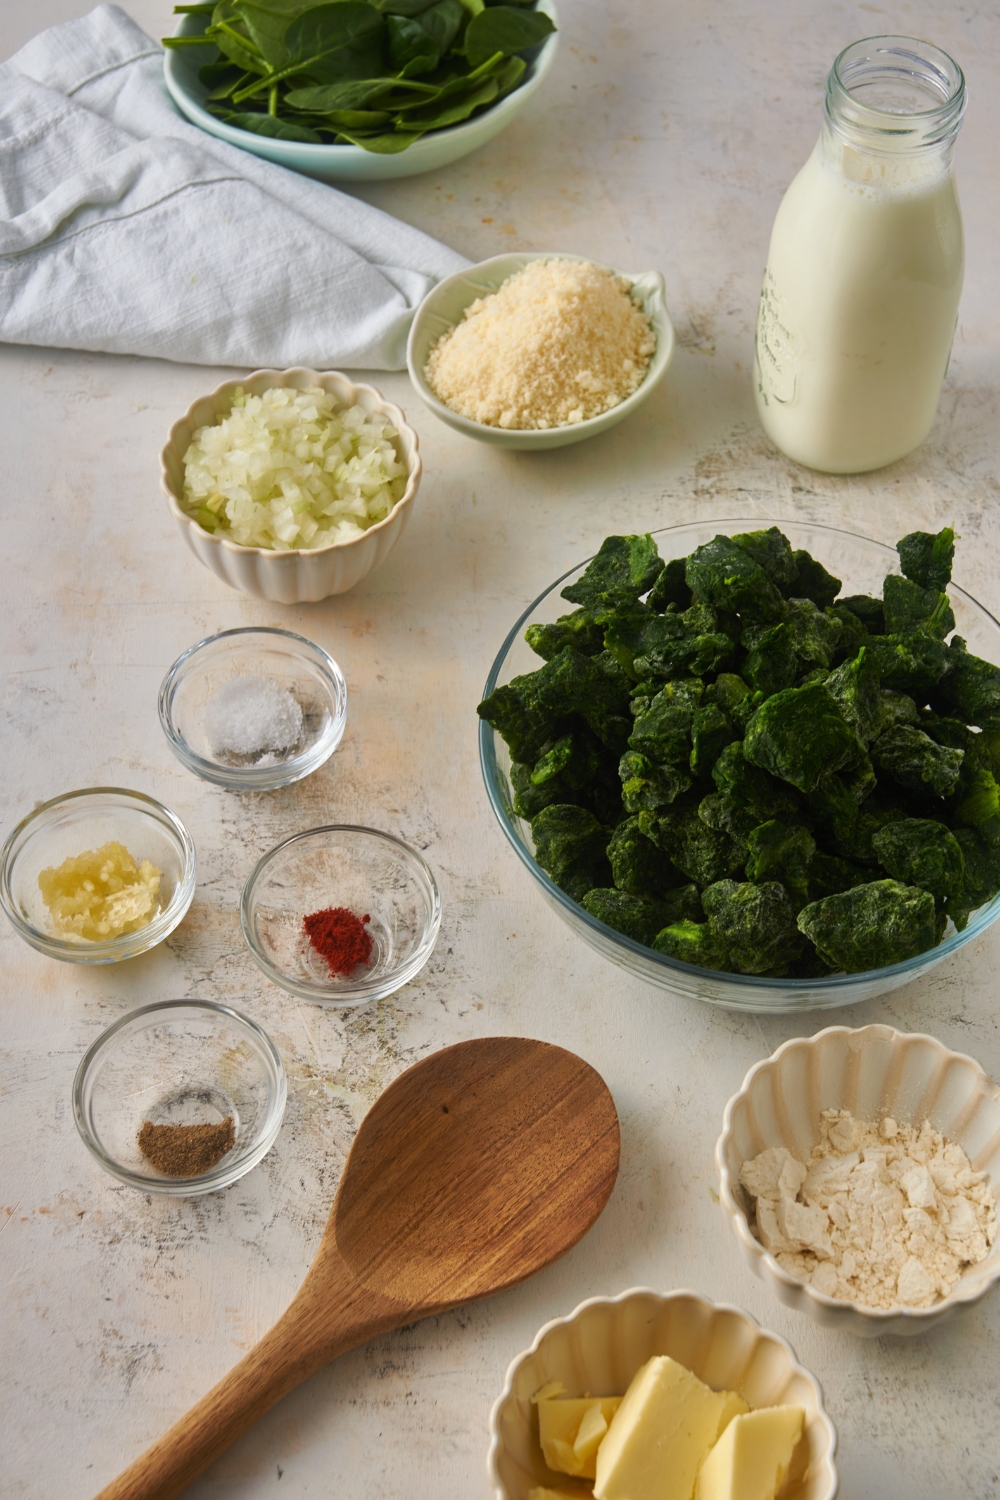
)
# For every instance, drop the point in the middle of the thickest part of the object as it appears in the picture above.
(862, 565)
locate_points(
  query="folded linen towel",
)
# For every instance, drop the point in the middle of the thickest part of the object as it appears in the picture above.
(124, 228)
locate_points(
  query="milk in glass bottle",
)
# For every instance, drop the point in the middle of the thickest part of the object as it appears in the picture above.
(860, 295)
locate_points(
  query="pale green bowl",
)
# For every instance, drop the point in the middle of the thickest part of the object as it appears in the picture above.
(433, 151)
(444, 306)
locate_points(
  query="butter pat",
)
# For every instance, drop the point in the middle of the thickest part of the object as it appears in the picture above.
(571, 1429)
(541, 1493)
(732, 1406)
(751, 1459)
(666, 1424)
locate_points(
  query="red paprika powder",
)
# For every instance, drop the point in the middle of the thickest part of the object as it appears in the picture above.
(340, 937)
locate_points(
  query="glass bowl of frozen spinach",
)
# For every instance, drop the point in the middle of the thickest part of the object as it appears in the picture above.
(358, 91)
(759, 767)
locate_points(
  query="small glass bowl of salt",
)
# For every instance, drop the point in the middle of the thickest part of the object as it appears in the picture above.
(254, 709)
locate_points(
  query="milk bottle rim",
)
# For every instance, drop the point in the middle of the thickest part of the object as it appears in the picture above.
(892, 94)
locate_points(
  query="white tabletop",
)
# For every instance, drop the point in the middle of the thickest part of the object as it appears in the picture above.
(664, 137)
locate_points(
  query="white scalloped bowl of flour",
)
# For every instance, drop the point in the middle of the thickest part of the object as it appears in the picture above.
(873, 1072)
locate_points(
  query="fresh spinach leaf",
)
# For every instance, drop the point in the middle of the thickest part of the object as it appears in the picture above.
(456, 108)
(400, 7)
(279, 130)
(267, 21)
(331, 42)
(502, 28)
(411, 49)
(442, 22)
(355, 93)
(239, 49)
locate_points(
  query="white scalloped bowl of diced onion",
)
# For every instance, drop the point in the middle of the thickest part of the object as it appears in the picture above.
(295, 575)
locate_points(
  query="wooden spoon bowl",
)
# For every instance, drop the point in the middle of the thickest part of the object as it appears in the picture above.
(476, 1168)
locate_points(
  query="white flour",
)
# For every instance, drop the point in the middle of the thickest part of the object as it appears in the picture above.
(885, 1215)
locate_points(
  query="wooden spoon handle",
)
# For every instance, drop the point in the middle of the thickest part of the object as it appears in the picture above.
(308, 1336)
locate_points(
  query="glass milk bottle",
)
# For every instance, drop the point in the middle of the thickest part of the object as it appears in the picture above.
(860, 295)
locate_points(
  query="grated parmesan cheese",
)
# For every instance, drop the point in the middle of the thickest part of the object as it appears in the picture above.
(558, 343)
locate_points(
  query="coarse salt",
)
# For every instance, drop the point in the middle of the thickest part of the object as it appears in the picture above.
(884, 1214)
(560, 342)
(253, 716)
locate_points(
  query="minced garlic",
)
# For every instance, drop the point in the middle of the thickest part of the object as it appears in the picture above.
(560, 342)
(100, 894)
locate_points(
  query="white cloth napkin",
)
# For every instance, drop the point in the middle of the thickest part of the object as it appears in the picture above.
(124, 228)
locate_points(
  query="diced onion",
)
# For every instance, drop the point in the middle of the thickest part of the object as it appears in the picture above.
(287, 469)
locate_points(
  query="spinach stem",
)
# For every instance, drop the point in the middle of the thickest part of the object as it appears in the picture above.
(272, 100)
(244, 41)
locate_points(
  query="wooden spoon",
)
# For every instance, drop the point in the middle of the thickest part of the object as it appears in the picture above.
(476, 1168)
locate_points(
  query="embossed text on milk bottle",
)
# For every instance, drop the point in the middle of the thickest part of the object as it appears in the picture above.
(860, 295)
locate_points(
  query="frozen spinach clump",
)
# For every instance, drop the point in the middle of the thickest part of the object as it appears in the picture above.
(637, 865)
(755, 923)
(971, 686)
(693, 943)
(916, 761)
(727, 761)
(725, 576)
(801, 735)
(927, 559)
(883, 922)
(785, 854)
(570, 845)
(921, 852)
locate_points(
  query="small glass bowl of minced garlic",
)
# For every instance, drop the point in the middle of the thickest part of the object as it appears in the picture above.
(98, 875)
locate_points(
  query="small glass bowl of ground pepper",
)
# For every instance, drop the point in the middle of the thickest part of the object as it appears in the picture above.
(341, 915)
(182, 1097)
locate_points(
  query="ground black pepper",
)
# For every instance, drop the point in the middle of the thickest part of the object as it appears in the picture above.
(186, 1150)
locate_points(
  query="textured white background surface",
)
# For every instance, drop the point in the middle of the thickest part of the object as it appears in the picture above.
(665, 137)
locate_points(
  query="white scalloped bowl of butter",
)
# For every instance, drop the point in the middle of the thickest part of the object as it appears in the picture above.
(598, 1350)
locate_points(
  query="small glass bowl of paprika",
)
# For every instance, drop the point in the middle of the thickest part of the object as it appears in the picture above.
(341, 915)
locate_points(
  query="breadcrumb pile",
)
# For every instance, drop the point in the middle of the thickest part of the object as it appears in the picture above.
(560, 342)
